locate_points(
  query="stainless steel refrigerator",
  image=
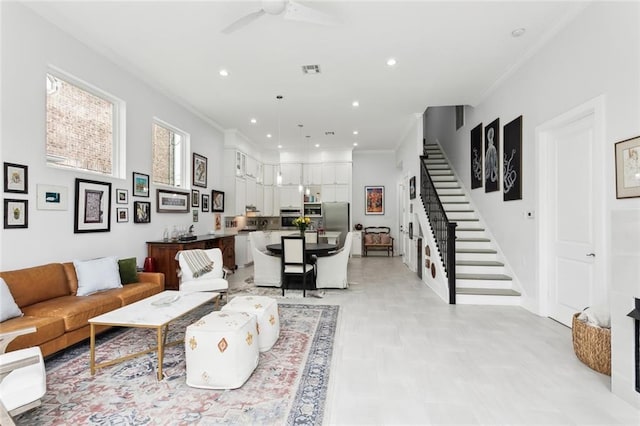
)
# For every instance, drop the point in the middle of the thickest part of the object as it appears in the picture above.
(335, 217)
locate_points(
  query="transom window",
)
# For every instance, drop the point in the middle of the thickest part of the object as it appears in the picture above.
(84, 126)
(170, 146)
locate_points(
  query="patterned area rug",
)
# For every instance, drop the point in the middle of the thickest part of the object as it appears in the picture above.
(289, 385)
(247, 287)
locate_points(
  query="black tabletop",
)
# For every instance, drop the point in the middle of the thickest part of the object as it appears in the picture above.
(319, 249)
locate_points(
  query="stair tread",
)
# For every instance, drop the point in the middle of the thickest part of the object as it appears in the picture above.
(479, 251)
(464, 220)
(479, 263)
(460, 211)
(492, 277)
(468, 229)
(472, 240)
(488, 291)
(454, 202)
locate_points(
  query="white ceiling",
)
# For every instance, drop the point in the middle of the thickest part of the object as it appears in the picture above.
(448, 53)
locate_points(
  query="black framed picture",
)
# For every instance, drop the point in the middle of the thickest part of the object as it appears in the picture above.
(140, 185)
(412, 188)
(627, 154)
(93, 206)
(169, 201)
(16, 213)
(141, 212)
(122, 196)
(199, 170)
(205, 203)
(476, 157)
(16, 178)
(195, 198)
(122, 214)
(492, 156)
(217, 198)
(512, 161)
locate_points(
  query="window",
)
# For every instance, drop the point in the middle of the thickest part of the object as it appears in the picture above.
(170, 146)
(85, 126)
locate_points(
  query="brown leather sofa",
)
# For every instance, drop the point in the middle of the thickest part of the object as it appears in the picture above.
(46, 295)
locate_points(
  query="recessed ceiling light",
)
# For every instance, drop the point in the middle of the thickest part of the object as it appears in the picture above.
(317, 145)
(254, 121)
(518, 32)
(355, 144)
(355, 132)
(391, 62)
(223, 73)
(355, 104)
(269, 135)
(279, 146)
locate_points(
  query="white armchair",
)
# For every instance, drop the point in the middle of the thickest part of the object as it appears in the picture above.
(266, 268)
(332, 270)
(215, 280)
(23, 379)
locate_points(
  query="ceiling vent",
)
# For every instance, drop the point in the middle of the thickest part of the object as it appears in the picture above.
(311, 69)
(329, 133)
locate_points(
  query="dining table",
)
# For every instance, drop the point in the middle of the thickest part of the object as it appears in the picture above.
(317, 249)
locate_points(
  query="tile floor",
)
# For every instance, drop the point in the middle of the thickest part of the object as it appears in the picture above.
(402, 356)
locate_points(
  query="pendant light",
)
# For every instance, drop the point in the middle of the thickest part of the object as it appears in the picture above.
(300, 126)
(307, 191)
(279, 177)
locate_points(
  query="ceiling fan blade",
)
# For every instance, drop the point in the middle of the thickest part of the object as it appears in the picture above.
(242, 22)
(297, 12)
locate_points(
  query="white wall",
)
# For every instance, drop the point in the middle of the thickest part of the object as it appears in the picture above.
(29, 45)
(598, 53)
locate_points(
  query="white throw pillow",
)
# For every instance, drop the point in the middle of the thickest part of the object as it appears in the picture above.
(97, 275)
(8, 307)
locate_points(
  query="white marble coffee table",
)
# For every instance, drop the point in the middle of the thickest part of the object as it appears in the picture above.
(156, 312)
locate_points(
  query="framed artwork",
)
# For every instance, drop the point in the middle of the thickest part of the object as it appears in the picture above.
(217, 198)
(195, 198)
(412, 188)
(199, 170)
(195, 215)
(374, 199)
(512, 161)
(52, 197)
(140, 185)
(168, 201)
(141, 212)
(16, 213)
(492, 156)
(476, 157)
(122, 214)
(205, 203)
(628, 168)
(217, 222)
(16, 178)
(122, 196)
(93, 206)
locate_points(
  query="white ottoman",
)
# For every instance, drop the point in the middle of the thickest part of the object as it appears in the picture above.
(221, 350)
(266, 311)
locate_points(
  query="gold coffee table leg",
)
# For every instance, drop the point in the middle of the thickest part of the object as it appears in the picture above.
(160, 351)
(92, 350)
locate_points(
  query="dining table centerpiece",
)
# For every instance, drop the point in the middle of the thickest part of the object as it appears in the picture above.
(302, 223)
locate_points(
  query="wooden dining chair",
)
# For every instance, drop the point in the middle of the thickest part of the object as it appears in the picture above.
(294, 262)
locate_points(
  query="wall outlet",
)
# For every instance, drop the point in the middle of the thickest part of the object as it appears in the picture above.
(529, 214)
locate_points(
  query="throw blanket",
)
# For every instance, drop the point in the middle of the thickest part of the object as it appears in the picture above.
(197, 261)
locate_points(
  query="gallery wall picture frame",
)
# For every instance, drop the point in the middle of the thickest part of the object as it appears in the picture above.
(205, 203)
(195, 214)
(199, 170)
(16, 178)
(16, 213)
(492, 156)
(477, 171)
(412, 188)
(122, 196)
(140, 185)
(217, 201)
(512, 161)
(627, 154)
(195, 198)
(168, 201)
(141, 212)
(93, 206)
(122, 214)
(374, 200)
(52, 197)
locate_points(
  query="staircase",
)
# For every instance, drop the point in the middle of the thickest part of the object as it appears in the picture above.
(481, 278)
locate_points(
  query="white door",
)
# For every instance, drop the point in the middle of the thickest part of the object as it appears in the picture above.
(403, 245)
(571, 250)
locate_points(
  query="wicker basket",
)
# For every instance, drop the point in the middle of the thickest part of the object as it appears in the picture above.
(592, 345)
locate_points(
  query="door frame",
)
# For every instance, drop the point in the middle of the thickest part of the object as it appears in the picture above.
(596, 108)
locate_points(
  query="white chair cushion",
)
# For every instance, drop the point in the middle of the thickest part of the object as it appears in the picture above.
(8, 307)
(297, 269)
(205, 284)
(97, 275)
(24, 385)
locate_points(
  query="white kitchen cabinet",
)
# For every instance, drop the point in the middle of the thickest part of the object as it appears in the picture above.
(268, 174)
(335, 193)
(291, 173)
(240, 196)
(269, 201)
(312, 174)
(251, 196)
(241, 163)
(260, 199)
(336, 173)
(356, 243)
(252, 167)
(290, 196)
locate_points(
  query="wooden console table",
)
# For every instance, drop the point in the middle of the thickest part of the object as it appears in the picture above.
(164, 253)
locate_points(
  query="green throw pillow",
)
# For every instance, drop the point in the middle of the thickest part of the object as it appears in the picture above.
(128, 270)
